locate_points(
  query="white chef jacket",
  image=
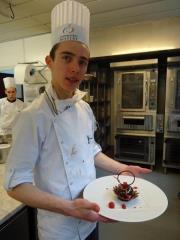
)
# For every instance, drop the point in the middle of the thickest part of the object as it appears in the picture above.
(59, 151)
(8, 114)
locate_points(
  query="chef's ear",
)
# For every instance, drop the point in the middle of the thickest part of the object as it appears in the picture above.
(48, 61)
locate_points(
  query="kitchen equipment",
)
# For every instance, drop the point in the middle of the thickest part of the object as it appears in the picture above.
(5, 138)
(136, 90)
(135, 101)
(4, 150)
(138, 149)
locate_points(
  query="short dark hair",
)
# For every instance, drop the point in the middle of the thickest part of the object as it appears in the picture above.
(53, 50)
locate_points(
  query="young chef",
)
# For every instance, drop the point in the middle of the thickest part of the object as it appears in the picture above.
(10, 106)
(57, 149)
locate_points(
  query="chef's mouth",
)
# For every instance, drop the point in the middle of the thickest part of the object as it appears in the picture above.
(11, 100)
(72, 80)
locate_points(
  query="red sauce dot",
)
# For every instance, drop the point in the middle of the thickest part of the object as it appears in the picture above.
(123, 206)
(111, 205)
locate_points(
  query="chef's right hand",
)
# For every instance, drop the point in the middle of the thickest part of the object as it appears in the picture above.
(86, 210)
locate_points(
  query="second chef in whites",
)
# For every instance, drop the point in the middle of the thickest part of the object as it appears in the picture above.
(10, 107)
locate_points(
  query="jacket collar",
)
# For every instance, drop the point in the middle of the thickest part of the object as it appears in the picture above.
(63, 105)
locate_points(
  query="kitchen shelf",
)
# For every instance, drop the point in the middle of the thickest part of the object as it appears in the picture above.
(96, 84)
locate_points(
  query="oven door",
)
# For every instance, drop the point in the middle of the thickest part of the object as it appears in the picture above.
(171, 151)
(138, 149)
(132, 91)
(173, 90)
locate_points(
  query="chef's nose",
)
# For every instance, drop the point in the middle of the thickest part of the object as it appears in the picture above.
(75, 66)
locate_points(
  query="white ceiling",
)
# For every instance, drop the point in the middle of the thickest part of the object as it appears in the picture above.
(32, 17)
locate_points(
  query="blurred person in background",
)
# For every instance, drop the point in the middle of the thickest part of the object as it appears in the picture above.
(10, 107)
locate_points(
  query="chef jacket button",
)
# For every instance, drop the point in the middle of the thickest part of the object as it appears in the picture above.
(83, 161)
(71, 183)
(67, 163)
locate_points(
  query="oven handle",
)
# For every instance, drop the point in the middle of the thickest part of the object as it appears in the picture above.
(164, 150)
(172, 83)
(133, 117)
(146, 93)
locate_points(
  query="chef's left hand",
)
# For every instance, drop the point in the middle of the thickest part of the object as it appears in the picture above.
(136, 170)
(106, 220)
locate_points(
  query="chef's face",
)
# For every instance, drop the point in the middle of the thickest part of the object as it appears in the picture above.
(68, 67)
(11, 94)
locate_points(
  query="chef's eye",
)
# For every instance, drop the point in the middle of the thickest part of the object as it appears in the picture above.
(83, 63)
(66, 58)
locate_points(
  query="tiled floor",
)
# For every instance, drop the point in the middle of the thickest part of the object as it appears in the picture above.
(165, 227)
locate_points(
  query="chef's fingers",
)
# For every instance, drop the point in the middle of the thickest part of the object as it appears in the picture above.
(85, 204)
(106, 220)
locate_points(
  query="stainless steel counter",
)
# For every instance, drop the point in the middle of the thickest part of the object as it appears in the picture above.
(8, 206)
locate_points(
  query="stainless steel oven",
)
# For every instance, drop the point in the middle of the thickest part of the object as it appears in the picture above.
(136, 90)
(135, 115)
(138, 149)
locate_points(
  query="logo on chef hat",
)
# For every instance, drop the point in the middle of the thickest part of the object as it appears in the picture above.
(68, 30)
(70, 21)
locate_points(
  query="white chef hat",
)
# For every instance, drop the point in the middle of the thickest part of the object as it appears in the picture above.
(70, 21)
(9, 82)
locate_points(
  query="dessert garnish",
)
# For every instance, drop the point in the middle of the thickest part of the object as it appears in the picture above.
(111, 205)
(124, 190)
(123, 205)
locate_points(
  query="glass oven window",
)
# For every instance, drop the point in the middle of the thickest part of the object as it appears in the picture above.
(132, 90)
(132, 147)
(135, 122)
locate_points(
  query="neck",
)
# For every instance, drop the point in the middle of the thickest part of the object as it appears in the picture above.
(11, 101)
(61, 93)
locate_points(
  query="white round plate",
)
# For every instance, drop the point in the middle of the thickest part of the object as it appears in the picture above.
(150, 203)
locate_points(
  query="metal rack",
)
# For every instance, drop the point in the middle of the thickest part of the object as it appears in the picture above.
(98, 96)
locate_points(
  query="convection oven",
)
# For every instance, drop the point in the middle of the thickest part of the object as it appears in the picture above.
(135, 101)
